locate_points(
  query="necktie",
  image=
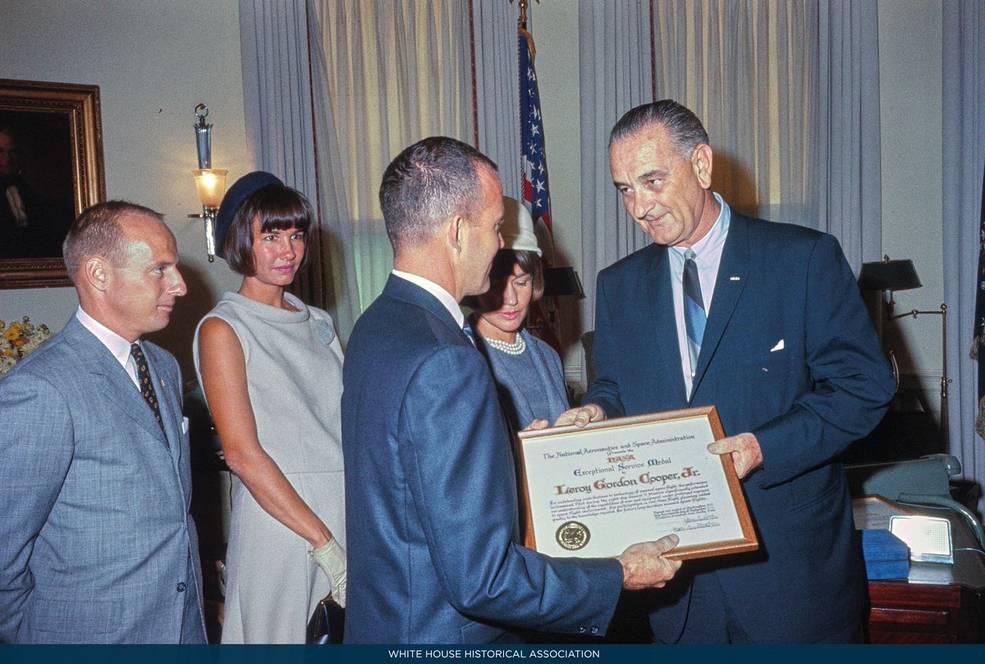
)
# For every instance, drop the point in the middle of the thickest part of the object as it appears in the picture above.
(694, 309)
(145, 383)
(467, 329)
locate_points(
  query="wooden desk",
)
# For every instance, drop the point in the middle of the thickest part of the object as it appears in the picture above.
(937, 603)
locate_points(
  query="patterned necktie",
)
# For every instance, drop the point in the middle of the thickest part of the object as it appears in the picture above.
(694, 309)
(145, 383)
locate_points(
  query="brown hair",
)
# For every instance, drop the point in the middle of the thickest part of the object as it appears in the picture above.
(425, 184)
(278, 207)
(502, 269)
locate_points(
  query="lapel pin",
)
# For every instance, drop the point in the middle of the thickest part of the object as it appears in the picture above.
(734, 279)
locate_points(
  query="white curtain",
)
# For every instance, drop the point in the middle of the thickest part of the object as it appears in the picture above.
(278, 113)
(788, 92)
(386, 74)
(497, 88)
(848, 178)
(614, 61)
(334, 89)
(963, 148)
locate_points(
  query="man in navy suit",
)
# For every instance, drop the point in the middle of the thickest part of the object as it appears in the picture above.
(765, 322)
(431, 496)
(96, 541)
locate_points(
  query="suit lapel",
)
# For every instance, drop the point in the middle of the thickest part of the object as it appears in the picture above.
(731, 281)
(658, 300)
(116, 383)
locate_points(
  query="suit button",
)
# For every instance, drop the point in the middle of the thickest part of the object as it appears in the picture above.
(180, 587)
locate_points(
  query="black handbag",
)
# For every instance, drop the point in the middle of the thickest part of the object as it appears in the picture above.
(326, 624)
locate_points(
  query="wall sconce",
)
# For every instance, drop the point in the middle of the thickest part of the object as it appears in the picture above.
(210, 183)
(895, 275)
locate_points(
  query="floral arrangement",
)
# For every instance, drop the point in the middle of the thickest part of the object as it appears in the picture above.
(18, 340)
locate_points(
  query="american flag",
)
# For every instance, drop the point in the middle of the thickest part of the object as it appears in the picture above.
(533, 160)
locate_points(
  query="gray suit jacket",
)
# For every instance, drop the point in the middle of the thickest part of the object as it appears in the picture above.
(96, 542)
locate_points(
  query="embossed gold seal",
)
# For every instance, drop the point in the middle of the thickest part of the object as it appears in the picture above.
(572, 535)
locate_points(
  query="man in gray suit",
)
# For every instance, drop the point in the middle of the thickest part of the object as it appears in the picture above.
(96, 542)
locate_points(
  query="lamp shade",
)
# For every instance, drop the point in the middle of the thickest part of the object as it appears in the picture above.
(210, 183)
(560, 281)
(891, 275)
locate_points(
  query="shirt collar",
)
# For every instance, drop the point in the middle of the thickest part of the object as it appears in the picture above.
(117, 345)
(716, 234)
(443, 296)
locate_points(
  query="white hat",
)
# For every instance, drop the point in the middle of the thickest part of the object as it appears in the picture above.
(518, 227)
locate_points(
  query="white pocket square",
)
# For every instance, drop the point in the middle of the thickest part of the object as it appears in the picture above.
(778, 346)
(184, 425)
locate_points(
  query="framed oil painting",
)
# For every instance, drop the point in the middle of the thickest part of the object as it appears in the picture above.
(51, 168)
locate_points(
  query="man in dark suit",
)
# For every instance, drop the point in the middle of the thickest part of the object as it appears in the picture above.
(764, 321)
(431, 496)
(96, 542)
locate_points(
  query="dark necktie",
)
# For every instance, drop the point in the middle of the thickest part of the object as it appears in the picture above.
(694, 309)
(145, 383)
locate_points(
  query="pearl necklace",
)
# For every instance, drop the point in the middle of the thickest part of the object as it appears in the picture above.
(515, 348)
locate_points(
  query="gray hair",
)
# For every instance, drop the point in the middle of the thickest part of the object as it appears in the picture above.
(427, 183)
(684, 127)
(98, 231)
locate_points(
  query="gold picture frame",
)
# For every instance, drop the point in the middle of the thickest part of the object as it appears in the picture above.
(51, 168)
(633, 479)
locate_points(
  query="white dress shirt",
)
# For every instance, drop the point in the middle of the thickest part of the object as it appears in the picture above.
(708, 256)
(117, 345)
(444, 297)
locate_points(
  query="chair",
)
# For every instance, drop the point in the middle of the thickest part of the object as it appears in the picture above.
(923, 481)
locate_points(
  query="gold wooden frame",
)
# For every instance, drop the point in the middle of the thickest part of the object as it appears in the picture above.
(80, 103)
(747, 543)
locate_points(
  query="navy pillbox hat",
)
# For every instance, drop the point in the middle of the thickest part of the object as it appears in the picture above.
(238, 194)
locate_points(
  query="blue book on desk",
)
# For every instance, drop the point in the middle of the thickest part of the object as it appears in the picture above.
(886, 556)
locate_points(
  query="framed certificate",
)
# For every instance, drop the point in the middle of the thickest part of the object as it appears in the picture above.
(591, 492)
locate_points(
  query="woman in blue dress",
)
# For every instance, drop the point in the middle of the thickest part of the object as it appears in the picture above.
(527, 370)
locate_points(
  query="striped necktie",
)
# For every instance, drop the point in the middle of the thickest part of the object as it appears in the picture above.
(694, 309)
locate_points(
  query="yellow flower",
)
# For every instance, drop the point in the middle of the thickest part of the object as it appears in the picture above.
(12, 332)
(7, 352)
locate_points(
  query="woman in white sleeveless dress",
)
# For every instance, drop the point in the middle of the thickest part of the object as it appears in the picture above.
(271, 370)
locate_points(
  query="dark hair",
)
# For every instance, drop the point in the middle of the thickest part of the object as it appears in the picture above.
(681, 123)
(425, 184)
(502, 269)
(278, 207)
(98, 231)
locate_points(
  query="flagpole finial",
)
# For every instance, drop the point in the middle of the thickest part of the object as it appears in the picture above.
(523, 4)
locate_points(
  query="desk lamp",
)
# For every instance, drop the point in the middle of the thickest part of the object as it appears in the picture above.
(896, 275)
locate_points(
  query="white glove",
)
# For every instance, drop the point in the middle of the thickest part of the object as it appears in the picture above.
(331, 558)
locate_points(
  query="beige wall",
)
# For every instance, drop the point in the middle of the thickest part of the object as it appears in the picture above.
(153, 61)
